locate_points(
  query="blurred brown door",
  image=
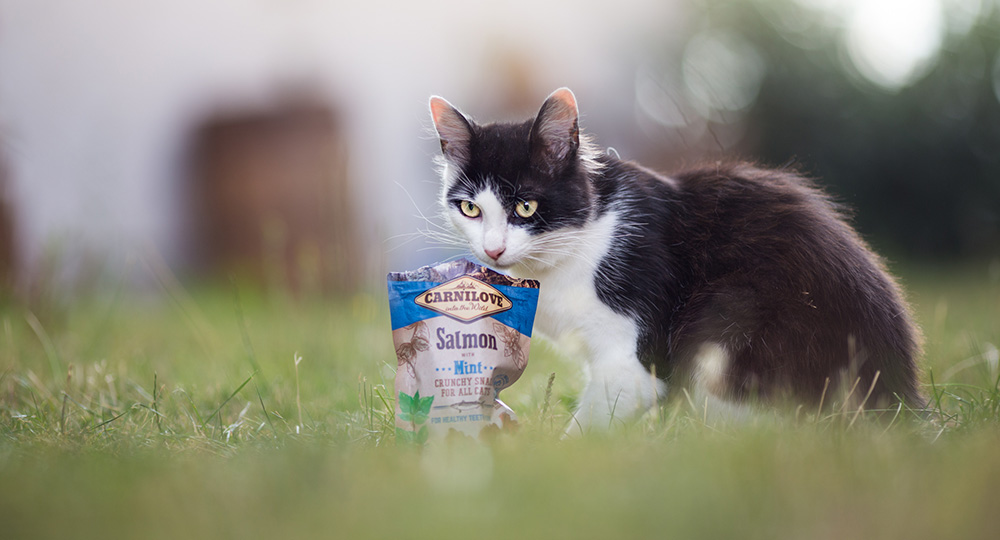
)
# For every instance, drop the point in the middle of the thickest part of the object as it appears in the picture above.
(271, 201)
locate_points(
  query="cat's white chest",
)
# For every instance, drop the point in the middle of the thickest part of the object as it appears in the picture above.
(568, 300)
(564, 303)
(571, 314)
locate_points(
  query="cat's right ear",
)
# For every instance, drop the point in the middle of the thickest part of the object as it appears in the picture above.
(453, 129)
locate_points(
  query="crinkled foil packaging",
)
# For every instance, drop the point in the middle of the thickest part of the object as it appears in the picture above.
(462, 333)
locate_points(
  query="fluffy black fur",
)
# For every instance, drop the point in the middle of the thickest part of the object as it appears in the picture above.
(763, 263)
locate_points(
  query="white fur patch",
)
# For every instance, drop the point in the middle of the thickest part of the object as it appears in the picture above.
(449, 174)
(711, 366)
(493, 227)
(708, 387)
(618, 387)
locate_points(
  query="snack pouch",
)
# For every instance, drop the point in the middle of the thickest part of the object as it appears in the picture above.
(462, 333)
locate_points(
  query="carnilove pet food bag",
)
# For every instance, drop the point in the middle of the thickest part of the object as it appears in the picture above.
(462, 333)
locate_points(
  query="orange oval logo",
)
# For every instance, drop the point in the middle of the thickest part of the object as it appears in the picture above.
(465, 299)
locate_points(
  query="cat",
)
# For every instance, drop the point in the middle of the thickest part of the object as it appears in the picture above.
(746, 285)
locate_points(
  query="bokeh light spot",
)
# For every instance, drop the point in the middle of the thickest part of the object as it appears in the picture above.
(722, 72)
(893, 42)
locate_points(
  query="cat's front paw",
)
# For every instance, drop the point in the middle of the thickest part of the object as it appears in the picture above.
(609, 402)
(599, 417)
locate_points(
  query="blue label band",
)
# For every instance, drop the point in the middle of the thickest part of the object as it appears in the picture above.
(404, 310)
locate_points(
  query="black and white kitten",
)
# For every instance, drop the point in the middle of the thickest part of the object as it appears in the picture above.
(741, 283)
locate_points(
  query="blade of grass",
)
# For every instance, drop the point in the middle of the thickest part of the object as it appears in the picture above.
(548, 396)
(65, 394)
(108, 421)
(150, 409)
(194, 409)
(366, 399)
(937, 395)
(391, 409)
(231, 396)
(55, 363)
(861, 407)
(159, 429)
(847, 398)
(9, 331)
(298, 399)
(62, 415)
(245, 335)
(899, 409)
(197, 322)
(822, 397)
(266, 414)
(81, 405)
(102, 330)
(34, 401)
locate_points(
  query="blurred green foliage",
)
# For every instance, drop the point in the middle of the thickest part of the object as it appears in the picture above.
(919, 163)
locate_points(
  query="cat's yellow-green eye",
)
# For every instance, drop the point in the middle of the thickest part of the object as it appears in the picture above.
(526, 208)
(469, 209)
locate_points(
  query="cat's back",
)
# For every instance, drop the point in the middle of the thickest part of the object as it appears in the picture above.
(705, 223)
(739, 213)
(765, 264)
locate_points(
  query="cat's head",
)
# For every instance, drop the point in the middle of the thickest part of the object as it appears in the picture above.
(517, 192)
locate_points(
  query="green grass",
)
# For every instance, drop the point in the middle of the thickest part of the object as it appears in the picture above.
(172, 416)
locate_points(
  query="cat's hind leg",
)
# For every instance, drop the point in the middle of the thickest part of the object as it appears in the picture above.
(708, 388)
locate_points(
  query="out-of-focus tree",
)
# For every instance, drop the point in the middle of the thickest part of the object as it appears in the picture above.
(894, 104)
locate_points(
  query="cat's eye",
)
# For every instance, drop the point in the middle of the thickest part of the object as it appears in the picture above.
(469, 209)
(525, 209)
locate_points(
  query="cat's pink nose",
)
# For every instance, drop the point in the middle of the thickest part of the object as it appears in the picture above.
(495, 253)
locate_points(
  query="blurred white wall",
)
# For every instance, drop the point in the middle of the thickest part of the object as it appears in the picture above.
(97, 97)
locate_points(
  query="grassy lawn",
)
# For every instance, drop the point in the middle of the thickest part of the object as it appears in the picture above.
(186, 415)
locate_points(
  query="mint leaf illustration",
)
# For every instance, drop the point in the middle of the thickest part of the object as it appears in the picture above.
(424, 405)
(405, 437)
(406, 406)
(414, 408)
(412, 438)
(421, 408)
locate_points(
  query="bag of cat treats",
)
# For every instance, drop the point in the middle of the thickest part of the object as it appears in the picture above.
(461, 333)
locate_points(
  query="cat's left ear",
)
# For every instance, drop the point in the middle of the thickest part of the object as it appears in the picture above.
(555, 135)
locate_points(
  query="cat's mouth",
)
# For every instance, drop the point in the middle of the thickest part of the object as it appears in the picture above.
(500, 262)
(495, 263)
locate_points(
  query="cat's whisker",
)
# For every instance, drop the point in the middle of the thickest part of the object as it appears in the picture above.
(449, 258)
(433, 233)
(412, 200)
(443, 217)
(444, 241)
(558, 252)
(436, 244)
(408, 238)
(541, 261)
(439, 234)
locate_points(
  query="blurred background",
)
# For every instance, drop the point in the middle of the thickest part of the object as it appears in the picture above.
(288, 142)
